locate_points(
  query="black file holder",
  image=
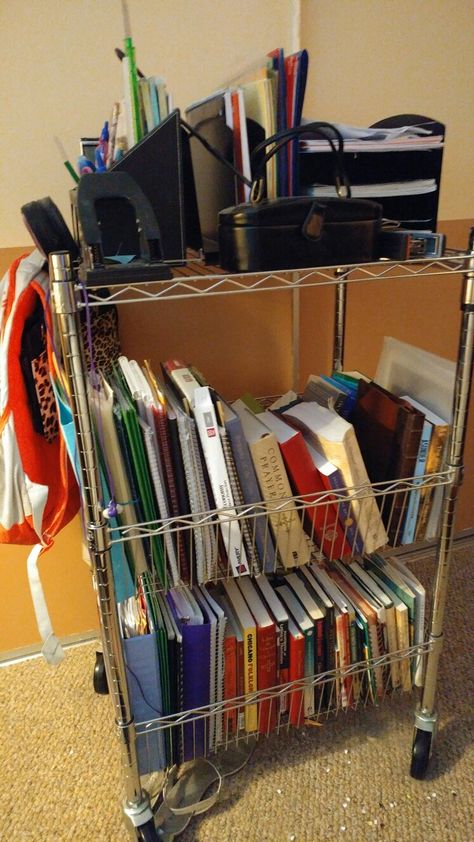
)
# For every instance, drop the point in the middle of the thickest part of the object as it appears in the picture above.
(161, 165)
(416, 211)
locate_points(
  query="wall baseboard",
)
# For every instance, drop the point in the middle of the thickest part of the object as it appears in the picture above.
(25, 653)
(412, 553)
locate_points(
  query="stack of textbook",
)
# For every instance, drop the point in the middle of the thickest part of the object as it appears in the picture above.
(250, 654)
(250, 583)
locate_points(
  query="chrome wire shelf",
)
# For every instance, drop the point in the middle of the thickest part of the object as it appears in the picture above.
(334, 690)
(382, 492)
(263, 526)
(214, 282)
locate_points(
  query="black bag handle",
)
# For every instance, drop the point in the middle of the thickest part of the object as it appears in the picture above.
(280, 139)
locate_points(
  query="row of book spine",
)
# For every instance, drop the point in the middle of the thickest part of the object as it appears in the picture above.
(244, 489)
(253, 654)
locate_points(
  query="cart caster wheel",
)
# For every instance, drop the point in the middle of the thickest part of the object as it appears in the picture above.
(421, 753)
(100, 677)
(147, 832)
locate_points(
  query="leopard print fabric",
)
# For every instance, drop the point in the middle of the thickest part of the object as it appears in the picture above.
(45, 395)
(105, 339)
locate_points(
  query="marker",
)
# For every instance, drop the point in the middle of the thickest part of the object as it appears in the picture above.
(85, 165)
(72, 172)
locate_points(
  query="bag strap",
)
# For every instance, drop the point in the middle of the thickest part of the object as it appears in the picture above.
(322, 129)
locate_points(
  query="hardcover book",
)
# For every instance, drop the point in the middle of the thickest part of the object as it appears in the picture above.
(345, 642)
(280, 616)
(234, 717)
(327, 606)
(249, 633)
(403, 628)
(388, 431)
(306, 627)
(387, 628)
(335, 438)
(307, 482)
(317, 615)
(332, 479)
(296, 707)
(419, 624)
(267, 663)
(434, 462)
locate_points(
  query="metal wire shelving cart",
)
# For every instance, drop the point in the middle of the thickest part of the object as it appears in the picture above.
(68, 302)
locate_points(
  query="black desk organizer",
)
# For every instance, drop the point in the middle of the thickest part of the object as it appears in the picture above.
(418, 211)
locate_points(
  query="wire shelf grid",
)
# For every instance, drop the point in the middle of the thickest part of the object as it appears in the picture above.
(214, 282)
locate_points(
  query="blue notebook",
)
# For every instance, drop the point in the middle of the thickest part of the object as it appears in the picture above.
(144, 685)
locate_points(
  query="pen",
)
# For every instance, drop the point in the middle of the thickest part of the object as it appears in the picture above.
(101, 151)
(72, 172)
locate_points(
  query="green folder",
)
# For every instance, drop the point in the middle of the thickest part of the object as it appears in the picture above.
(126, 413)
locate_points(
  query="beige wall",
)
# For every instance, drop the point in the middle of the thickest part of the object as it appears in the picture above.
(368, 59)
(371, 59)
(59, 75)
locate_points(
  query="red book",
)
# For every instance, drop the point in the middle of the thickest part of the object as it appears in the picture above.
(266, 654)
(296, 673)
(233, 687)
(306, 480)
(230, 679)
(238, 160)
(291, 69)
(280, 615)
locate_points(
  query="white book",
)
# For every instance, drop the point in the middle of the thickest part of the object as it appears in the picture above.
(420, 605)
(403, 631)
(183, 379)
(244, 142)
(206, 422)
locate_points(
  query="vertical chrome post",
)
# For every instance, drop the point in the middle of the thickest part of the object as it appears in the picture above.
(67, 317)
(295, 349)
(339, 324)
(462, 393)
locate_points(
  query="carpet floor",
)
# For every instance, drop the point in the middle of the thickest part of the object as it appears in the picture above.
(60, 776)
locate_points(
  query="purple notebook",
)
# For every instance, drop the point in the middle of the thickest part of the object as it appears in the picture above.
(196, 678)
